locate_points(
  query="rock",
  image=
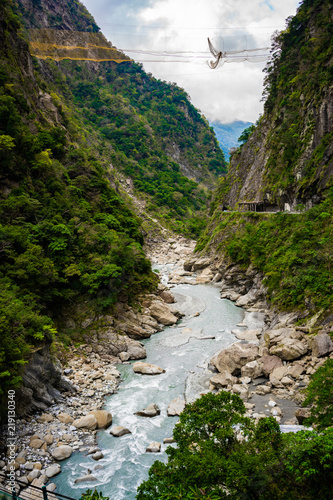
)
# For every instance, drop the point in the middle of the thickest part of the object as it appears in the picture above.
(33, 475)
(85, 479)
(249, 335)
(242, 390)
(152, 410)
(62, 452)
(168, 440)
(51, 487)
(321, 345)
(200, 263)
(103, 417)
(162, 314)
(45, 418)
(205, 276)
(28, 466)
(53, 470)
(269, 363)
(88, 421)
(280, 335)
(176, 406)
(253, 369)
(36, 443)
(188, 264)
(290, 349)
(97, 456)
(147, 368)
(48, 439)
(301, 414)
(287, 381)
(65, 418)
(135, 349)
(154, 447)
(223, 379)
(167, 297)
(118, 430)
(234, 357)
(261, 390)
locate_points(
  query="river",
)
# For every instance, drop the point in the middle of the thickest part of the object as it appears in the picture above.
(183, 351)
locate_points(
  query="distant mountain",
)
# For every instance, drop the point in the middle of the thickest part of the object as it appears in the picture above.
(227, 134)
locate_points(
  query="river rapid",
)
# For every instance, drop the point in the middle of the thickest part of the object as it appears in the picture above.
(183, 351)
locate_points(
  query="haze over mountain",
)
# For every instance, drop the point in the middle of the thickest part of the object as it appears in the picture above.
(228, 134)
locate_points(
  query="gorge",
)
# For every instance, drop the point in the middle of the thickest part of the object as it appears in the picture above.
(111, 180)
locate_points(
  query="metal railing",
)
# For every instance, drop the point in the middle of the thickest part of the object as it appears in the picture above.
(28, 491)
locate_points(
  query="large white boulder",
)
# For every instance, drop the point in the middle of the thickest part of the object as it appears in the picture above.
(147, 368)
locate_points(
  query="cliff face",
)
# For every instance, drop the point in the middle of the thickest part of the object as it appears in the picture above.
(288, 157)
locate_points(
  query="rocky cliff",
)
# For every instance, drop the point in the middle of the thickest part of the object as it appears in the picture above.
(287, 161)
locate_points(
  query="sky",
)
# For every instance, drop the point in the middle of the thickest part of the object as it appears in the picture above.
(169, 37)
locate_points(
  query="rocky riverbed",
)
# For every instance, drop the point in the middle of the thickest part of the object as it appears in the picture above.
(268, 367)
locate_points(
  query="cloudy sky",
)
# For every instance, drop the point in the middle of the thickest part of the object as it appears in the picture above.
(170, 38)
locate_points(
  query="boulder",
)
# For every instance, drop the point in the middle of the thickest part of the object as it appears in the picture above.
(36, 443)
(33, 475)
(234, 357)
(279, 335)
(176, 406)
(147, 368)
(53, 470)
(51, 487)
(160, 311)
(135, 349)
(154, 447)
(253, 369)
(118, 430)
(167, 297)
(321, 345)
(88, 421)
(62, 452)
(249, 335)
(289, 349)
(205, 276)
(301, 414)
(48, 439)
(168, 440)
(97, 456)
(188, 264)
(223, 379)
(242, 390)
(269, 363)
(85, 479)
(65, 418)
(200, 263)
(261, 390)
(103, 417)
(152, 410)
(45, 418)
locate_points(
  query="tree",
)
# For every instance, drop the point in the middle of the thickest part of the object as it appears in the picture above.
(222, 454)
(320, 395)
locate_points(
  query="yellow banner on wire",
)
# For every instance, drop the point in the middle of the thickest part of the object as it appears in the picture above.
(75, 45)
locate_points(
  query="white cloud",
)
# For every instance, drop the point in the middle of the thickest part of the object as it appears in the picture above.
(230, 92)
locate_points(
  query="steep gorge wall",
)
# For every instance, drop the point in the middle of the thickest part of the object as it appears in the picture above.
(289, 156)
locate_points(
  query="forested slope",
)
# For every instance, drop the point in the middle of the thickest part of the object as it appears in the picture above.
(66, 236)
(287, 162)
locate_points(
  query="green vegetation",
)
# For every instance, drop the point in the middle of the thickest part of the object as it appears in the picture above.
(222, 454)
(299, 74)
(293, 251)
(150, 124)
(320, 397)
(67, 238)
